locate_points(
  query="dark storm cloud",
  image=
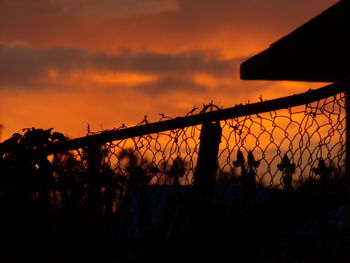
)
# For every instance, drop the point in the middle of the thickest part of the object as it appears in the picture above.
(23, 64)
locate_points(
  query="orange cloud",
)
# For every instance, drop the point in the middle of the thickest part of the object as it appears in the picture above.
(112, 78)
(64, 64)
(240, 26)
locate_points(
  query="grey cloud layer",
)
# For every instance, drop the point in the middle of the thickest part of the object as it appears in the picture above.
(170, 84)
(186, 63)
(64, 22)
(89, 7)
(23, 64)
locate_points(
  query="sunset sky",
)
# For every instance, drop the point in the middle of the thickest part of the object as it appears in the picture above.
(67, 63)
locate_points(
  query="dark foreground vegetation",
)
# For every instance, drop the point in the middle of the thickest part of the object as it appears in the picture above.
(64, 208)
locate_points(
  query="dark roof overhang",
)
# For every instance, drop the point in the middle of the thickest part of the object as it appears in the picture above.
(319, 51)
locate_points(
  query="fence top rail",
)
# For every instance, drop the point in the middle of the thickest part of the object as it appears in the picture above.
(197, 119)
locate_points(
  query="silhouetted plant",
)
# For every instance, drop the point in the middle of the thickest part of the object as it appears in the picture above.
(177, 170)
(138, 171)
(229, 177)
(324, 179)
(287, 169)
(324, 172)
(70, 181)
(248, 172)
(28, 165)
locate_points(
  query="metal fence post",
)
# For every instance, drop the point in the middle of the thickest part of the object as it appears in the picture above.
(92, 152)
(210, 138)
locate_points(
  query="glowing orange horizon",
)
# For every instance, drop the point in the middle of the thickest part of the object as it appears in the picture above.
(67, 94)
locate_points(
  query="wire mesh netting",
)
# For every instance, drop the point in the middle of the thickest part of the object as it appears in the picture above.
(276, 168)
(295, 142)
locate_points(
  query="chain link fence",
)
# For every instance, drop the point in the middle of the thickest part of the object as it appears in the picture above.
(298, 142)
(293, 144)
